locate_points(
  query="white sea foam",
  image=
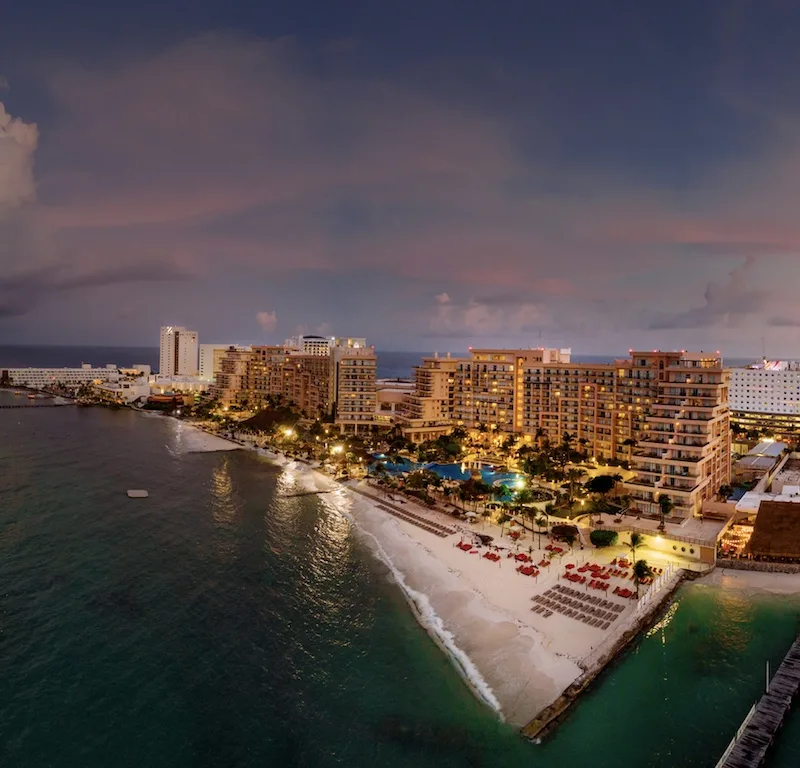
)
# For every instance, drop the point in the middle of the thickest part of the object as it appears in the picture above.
(433, 624)
(419, 602)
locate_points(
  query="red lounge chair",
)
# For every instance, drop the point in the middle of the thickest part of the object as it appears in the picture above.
(570, 565)
(549, 546)
(614, 561)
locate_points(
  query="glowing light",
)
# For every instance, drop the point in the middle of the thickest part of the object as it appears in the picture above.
(520, 484)
(337, 449)
(288, 431)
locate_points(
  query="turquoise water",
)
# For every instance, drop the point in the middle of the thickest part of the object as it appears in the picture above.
(221, 623)
(454, 471)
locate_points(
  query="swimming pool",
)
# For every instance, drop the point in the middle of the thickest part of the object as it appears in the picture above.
(453, 471)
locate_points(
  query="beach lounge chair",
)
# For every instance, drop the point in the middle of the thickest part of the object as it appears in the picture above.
(548, 614)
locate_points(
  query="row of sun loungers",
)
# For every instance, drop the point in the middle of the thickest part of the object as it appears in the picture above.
(409, 517)
(591, 610)
(600, 602)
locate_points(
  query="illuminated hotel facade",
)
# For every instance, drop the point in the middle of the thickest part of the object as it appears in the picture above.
(665, 413)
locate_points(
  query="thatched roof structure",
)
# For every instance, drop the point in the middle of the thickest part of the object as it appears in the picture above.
(777, 531)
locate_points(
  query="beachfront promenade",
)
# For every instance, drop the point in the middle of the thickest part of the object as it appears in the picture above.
(749, 747)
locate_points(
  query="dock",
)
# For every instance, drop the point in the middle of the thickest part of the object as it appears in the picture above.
(749, 747)
(35, 405)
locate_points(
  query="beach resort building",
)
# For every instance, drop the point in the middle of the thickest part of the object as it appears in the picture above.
(353, 387)
(321, 346)
(426, 411)
(766, 396)
(230, 384)
(178, 351)
(211, 359)
(41, 378)
(339, 385)
(685, 452)
(665, 413)
(124, 391)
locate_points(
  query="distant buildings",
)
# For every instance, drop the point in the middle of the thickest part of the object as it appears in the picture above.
(178, 351)
(332, 379)
(211, 359)
(41, 378)
(766, 396)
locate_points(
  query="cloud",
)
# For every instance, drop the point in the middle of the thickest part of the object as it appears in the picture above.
(784, 321)
(18, 142)
(267, 320)
(231, 155)
(476, 319)
(725, 303)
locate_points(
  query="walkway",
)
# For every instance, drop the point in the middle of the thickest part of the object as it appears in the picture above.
(749, 748)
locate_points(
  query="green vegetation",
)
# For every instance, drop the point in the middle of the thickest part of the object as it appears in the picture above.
(603, 538)
(566, 533)
(665, 506)
(637, 540)
(641, 571)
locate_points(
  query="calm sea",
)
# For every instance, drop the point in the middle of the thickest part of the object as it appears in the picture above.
(391, 365)
(221, 623)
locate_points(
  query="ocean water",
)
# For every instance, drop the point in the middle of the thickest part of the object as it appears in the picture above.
(222, 622)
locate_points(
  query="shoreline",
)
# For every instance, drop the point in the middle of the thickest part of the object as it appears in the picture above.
(516, 667)
(530, 675)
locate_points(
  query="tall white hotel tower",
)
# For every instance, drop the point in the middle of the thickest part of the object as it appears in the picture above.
(178, 352)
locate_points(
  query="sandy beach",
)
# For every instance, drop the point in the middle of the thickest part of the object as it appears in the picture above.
(754, 581)
(188, 438)
(478, 611)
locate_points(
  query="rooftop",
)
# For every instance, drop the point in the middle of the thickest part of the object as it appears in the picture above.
(777, 531)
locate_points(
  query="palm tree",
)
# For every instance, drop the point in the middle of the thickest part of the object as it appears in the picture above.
(637, 540)
(502, 520)
(600, 506)
(541, 522)
(630, 443)
(665, 506)
(573, 476)
(641, 571)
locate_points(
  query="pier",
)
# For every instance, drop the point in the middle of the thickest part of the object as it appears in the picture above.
(40, 405)
(749, 747)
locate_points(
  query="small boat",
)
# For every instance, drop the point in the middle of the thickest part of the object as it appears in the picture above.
(31, 396)
(137, 494)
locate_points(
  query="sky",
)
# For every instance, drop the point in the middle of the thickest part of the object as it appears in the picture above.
(430, 175)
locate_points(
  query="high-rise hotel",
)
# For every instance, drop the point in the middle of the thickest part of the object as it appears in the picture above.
(666, 413)
(322, 378)
(177, 352)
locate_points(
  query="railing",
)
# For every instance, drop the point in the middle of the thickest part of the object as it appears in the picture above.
(727, 753)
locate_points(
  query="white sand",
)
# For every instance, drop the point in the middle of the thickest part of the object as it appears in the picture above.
(187, 438)
(754, 581)
(479, 612)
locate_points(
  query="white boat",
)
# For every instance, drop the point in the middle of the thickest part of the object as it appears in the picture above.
(137, 494)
